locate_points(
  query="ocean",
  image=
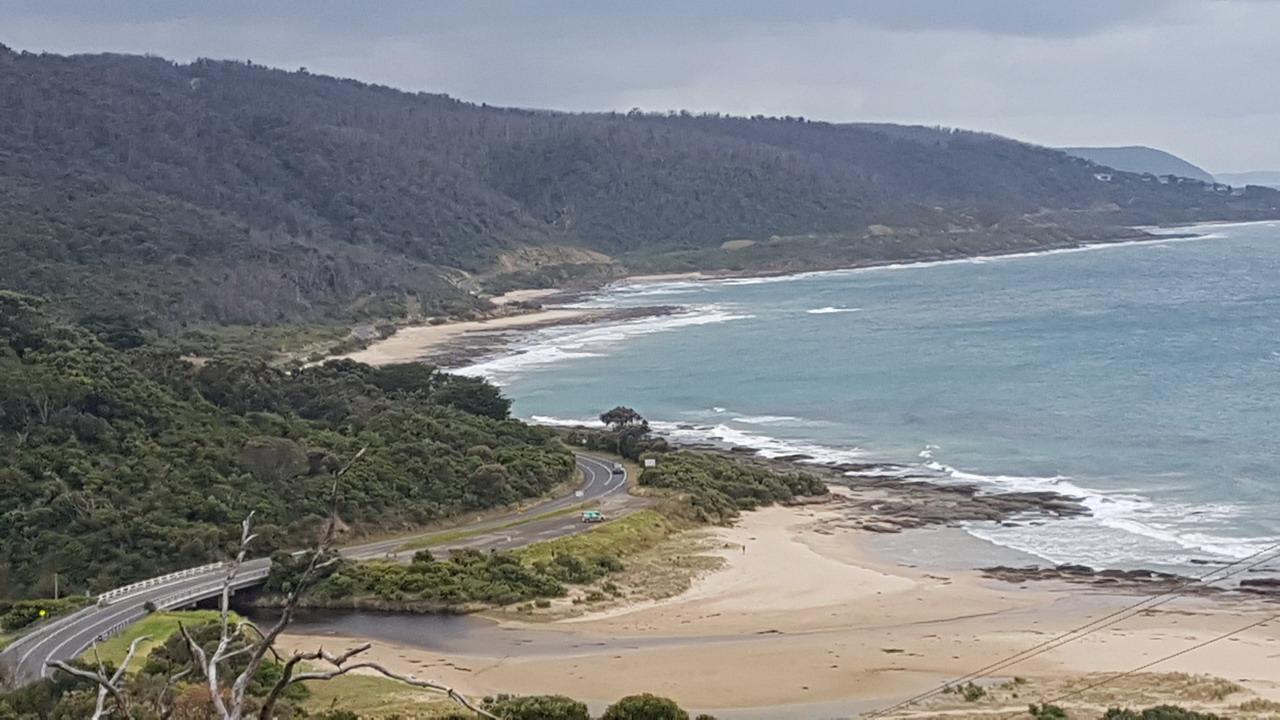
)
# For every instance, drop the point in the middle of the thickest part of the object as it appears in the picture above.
(1144, 378)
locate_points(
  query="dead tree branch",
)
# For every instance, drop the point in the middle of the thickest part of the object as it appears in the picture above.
(108, 685)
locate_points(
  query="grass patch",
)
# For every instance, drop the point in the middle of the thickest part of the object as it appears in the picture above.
(376, 697)
(625, 536)
(449, 536)
(159, 626)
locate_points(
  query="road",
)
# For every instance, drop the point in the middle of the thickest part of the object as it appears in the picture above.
(67, 638)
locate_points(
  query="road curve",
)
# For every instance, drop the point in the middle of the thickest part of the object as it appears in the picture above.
(67, 638)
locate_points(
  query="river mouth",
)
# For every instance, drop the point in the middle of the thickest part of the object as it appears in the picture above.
(444, 633)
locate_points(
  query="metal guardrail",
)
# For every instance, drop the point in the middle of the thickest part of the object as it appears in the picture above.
(37, 630)
(110, 596)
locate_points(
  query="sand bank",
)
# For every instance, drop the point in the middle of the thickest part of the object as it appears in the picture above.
(801, 618)
(414, 343)
(528, 295)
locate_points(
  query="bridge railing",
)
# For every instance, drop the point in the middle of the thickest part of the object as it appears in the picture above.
(178, 599)
(111, 596)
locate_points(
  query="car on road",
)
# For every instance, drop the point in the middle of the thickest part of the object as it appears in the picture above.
(617, 469)
(592, 516)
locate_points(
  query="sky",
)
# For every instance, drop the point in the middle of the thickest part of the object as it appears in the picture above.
(1199, 78)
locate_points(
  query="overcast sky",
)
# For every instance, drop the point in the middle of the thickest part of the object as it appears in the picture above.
(1200, 78)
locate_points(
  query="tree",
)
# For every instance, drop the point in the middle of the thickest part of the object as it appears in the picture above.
(473, 395)
(623, 417)
(250, 646)
(644, 707)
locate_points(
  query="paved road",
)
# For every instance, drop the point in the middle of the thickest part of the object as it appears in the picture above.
(66, 638)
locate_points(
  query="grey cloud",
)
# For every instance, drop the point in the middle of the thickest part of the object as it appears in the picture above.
(1192, 77)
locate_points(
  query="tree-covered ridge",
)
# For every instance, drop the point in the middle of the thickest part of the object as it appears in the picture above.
(228, 192)
(122, 464)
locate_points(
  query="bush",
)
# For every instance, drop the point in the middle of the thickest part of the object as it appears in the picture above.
(22, 613)
(644, 707)
(719, 488)
(536, 707)
(1047, 712)
(1159, 712)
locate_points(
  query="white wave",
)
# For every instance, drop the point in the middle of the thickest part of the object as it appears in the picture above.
(553, 345)
(1123, 529)
(831, 310)
(566, 422)
(768, 419)
(765, 445)
(698, 285)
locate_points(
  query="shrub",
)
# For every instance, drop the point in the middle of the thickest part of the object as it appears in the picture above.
(644, 707)
(1047, 712)
(536, 707)
(1159, 712)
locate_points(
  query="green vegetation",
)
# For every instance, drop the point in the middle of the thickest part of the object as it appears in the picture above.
(618, 538)
(1160, 712)
(121, 464)
(536, 707)
(466, 578)
(223, 193)
(644, 707)
(158, 627)
(718, 487)
(368, 696)
(21, 614)
(161, 657)
(1047, 712)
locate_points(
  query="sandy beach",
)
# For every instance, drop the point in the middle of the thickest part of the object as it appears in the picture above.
(802, 619)
(415, 343)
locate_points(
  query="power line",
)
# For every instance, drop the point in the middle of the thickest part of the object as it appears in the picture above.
(1108, 620)
(1204, 643)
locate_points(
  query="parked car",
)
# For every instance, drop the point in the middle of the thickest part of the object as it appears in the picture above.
(592, 516)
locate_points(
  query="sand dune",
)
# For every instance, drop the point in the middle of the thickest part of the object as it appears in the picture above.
(804, 620)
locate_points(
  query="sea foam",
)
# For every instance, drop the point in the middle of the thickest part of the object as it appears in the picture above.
(545, 347)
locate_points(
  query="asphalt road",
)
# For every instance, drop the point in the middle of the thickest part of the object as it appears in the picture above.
(67, 638)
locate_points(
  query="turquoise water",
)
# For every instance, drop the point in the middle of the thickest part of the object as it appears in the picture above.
(1144, 378)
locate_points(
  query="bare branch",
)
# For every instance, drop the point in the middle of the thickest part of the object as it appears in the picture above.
(406, 679)
(111, 685)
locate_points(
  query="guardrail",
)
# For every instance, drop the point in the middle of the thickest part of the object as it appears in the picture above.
(110, 596)
(39, 629)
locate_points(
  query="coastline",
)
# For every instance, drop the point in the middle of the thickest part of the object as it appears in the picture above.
(453, 344)
(804, 616)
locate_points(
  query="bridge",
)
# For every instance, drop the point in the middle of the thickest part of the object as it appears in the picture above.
(68, 637)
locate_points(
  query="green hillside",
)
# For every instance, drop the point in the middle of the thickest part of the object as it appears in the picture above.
(225, 192)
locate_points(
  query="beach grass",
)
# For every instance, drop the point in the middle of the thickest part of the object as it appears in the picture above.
(376, 697)
(628, 535)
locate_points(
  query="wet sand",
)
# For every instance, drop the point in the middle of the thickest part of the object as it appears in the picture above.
(805, 620)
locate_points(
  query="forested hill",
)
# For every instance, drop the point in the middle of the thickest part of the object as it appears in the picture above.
(233, 193)
(123, 464)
